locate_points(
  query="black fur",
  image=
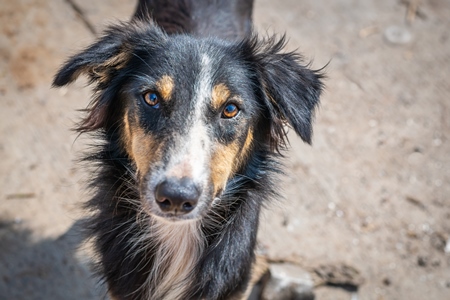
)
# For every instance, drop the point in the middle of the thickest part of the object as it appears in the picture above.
(226, 19)
(281, 90)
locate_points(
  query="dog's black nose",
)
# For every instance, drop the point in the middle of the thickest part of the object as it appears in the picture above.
(178, 196)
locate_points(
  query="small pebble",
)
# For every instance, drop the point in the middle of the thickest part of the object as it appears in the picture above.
(447, 246)
(438, 241)
(422, 261)
(437, 142)
(397, 35)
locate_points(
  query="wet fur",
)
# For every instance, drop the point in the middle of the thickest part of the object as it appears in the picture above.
(144, 256)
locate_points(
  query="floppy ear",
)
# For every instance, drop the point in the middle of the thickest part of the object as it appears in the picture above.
(98, 61)
(103, 62)
(291, 90)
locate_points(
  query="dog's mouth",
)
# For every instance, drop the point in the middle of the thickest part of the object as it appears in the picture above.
(192, 214)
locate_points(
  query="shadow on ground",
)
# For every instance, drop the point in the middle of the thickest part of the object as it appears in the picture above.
(32, 268)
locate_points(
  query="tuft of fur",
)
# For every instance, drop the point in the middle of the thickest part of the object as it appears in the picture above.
(178, 249)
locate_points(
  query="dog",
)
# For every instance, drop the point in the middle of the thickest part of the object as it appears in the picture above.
(190, 108)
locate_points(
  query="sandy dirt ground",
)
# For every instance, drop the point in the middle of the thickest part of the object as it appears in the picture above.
(370, 196)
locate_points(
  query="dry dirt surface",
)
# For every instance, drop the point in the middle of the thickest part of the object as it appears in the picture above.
(366, 208)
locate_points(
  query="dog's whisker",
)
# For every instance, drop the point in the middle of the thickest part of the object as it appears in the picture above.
(142, 60)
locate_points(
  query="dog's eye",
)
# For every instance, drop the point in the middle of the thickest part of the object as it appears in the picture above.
(230, 111)
(151, 99)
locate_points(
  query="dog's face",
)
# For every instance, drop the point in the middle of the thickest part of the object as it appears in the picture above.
(188, 124)
(190, 111)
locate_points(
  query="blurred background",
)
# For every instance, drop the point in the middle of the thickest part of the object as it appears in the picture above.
(366, 213)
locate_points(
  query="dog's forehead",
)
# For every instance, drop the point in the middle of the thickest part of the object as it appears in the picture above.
(190, 57)
(200, 68)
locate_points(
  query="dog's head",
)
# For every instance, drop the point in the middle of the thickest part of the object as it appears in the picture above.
(191, 111)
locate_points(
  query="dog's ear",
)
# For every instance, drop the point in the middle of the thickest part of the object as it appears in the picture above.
(290, 89)
(99, 61)
(103, 61)
(111, 52)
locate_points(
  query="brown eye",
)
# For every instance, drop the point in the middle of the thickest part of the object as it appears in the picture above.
(151, 99)
(230, 111)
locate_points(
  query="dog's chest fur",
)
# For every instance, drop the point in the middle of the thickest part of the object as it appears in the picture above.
(177, 250)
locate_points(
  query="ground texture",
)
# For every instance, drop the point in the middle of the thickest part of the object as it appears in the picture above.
(366, 207)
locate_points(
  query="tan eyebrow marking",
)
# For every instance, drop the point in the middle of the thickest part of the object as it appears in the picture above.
(220, 94)
(140, 145)
(165, 86)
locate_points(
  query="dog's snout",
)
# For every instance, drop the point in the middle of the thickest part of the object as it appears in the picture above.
(179, 196)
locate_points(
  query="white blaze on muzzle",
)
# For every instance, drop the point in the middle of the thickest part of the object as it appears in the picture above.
(191, 156)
